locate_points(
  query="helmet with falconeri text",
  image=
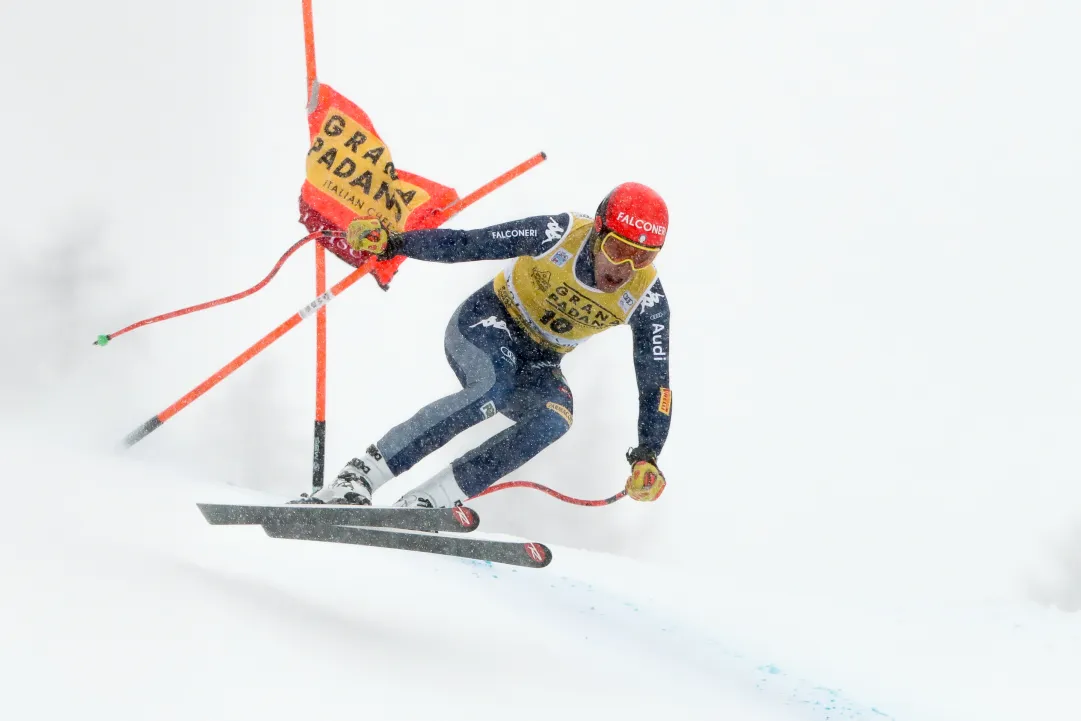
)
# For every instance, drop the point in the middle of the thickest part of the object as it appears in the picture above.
(630, 225)
(636, 213)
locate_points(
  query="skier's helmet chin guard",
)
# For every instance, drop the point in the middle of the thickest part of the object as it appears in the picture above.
(631, 225)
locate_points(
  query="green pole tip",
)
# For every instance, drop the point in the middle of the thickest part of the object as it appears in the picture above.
(102, 340)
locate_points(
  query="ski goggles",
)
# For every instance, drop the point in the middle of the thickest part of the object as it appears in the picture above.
(618, 250)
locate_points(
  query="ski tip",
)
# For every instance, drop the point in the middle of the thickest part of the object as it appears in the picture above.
(466, 517)
(538, 554)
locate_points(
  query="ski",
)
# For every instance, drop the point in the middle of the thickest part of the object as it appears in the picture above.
(459, 519)
(528, 554)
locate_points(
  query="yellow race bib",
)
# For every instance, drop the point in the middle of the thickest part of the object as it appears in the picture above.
(553, 306)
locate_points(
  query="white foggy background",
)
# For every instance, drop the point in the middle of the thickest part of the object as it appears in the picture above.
(872, 263)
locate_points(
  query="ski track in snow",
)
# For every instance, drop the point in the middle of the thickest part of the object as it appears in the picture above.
(611, 619)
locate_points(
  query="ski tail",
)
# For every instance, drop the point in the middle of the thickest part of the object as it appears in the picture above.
(527, 554)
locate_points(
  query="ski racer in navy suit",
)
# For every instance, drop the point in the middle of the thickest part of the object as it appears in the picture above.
(570, 277)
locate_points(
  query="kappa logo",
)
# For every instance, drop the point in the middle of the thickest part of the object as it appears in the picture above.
(553, 233)
(561, 257)
(650, 299)
(488, 409)
(493, 322)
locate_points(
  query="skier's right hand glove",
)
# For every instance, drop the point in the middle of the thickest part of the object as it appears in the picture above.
(646, 482)
(369, 235)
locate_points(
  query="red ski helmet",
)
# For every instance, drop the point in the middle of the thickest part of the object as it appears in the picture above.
(635, 212)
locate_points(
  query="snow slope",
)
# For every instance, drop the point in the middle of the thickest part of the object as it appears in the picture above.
(121, 603)
(873, 498)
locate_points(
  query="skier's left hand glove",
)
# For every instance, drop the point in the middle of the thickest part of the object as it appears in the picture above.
(369, 235)
(646, 482)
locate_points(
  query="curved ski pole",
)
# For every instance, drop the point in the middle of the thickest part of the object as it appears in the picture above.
(104, 339)
(154, 423)
(551, 492)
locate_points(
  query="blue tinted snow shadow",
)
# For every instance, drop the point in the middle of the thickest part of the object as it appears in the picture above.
(619, 619)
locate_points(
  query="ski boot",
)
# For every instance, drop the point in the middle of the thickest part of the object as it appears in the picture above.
(355, 483)
(442, 491)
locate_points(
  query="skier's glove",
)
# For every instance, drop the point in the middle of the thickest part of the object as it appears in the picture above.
(369, 235)
(646, 482)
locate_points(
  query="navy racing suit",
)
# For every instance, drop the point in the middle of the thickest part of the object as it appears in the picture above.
(505, 366)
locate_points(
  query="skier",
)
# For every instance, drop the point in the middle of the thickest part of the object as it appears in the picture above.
(572, 277)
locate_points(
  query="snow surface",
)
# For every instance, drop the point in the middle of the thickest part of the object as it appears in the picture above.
(874, 508)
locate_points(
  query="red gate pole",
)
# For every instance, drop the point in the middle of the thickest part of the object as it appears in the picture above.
(319, 441)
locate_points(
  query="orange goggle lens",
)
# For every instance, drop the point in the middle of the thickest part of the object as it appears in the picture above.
(618, 249)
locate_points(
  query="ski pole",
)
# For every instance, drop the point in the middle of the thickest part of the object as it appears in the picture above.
(156, 422)
(550, 492)
(105, 338)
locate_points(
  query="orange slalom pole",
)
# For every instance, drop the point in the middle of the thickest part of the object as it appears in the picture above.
(156, 422)
(319, 442)
(454, 208)
(309, 42)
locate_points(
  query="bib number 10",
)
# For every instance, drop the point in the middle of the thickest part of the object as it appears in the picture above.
(559, 325)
